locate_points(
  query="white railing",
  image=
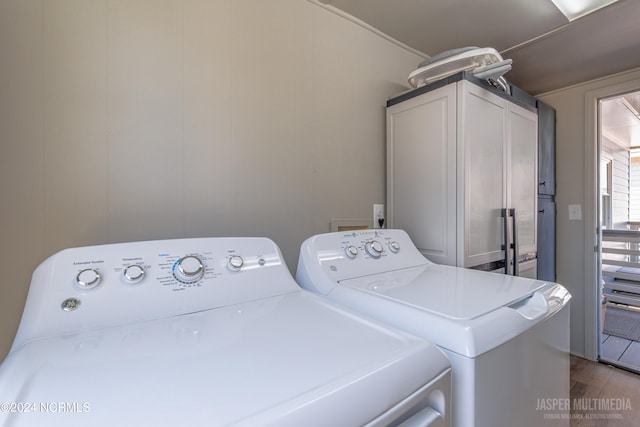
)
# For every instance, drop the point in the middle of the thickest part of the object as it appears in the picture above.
(621, 266)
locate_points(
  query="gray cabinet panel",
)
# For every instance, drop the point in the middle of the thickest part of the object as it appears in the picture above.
(546, 149)
(546, 239)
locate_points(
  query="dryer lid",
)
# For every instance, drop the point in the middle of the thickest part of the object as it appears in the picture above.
(293, 360)
(450, 292)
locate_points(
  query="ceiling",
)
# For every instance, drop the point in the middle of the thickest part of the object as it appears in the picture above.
(620, 120)
(548, 51)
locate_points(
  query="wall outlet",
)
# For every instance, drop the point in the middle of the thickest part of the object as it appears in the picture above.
(378, 216)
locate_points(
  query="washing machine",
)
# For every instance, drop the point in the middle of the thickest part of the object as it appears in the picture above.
(507, 337)
(207, 332)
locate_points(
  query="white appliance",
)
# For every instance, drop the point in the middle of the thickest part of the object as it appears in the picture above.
(209, 332)
(484, 63)
(462, 175)
(507, 337)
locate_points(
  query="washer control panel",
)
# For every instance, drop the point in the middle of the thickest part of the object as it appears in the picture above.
(365, 244)
(345, 255)
(99, 286)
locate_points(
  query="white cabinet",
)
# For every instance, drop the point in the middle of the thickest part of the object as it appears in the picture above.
(461, 162)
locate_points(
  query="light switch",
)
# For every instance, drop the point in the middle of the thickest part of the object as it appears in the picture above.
(575, 212)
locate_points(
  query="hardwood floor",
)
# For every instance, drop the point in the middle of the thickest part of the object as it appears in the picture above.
(603, 396)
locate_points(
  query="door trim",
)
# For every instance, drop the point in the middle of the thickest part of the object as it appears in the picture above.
(592, 233)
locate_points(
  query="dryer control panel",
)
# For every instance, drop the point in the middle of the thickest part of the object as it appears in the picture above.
(107, 285)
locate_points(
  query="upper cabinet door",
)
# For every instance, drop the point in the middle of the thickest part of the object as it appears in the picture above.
(421, 172)
(482, 129)
(522, 180)
(546, 149)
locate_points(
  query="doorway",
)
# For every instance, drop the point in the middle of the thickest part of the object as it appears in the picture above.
(618, 200)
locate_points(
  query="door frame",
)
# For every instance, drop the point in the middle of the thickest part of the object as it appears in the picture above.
(592, 233)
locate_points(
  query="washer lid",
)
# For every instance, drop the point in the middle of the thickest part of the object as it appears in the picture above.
(451, 292)
(290, 360)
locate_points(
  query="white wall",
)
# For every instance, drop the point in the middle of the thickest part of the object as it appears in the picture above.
(126, 120)
(576, 185)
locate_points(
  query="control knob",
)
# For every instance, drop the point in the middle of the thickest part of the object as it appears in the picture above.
(235, 263)
(374, 248)
(133, 274)
(351, 251)
(394, 247)
(88, 278)
(188, 269)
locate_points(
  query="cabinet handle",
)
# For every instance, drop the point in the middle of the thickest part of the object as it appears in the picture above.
(516, 255)
(541, 211)
(506, 239)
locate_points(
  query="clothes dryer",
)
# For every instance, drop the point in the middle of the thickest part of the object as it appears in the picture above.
(206, 332)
